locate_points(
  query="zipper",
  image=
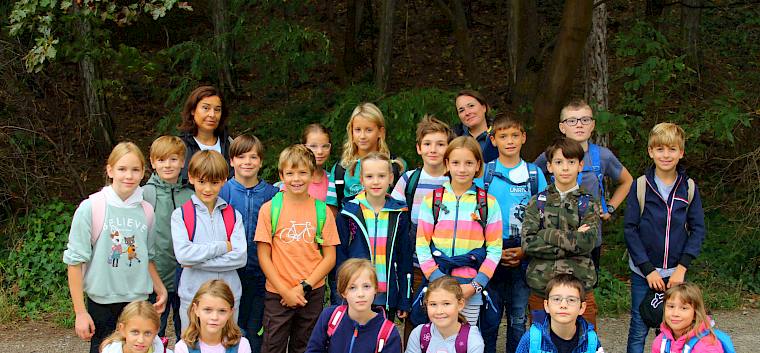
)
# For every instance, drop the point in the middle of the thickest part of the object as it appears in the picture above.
(353, 339)
(456, 223)
(361, 226)
(392, 239)
(668, 218)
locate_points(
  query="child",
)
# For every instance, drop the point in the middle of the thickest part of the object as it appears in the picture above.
(208, 234)
(473, 113)
(203, 124)
(664, 225)
(296, 238)
(136, 331)
(111, 223)
(433, 136)
(458, 222)
(317, 138)
(512, 181)
(577, 123)
(563, 330)
(374, 226)
(448, 330)
(165, 193)
(685, 323)
(212, 327)
(365, 329)
(559, 230)
(365, 133)
(246, 193)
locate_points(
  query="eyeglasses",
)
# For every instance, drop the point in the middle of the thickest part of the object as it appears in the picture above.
(574, 121)
(325, 146)
(571, 301)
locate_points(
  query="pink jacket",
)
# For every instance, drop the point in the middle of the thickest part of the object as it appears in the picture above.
(707, 344)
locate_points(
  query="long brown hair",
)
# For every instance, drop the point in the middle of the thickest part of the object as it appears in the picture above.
(689, 293)
(141, 309)
(188, 120)
(447, 284)
(230, 332)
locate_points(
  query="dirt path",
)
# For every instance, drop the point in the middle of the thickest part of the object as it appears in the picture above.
(44, 337)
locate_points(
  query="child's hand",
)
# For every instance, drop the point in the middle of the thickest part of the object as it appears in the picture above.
(84, 326)
(605, 216)
(584, 228)
(160, 304)
(229, 246)
(514, 256)
(678, 276)
(293, 297)
(655, 281)
(468, 290)
(401, 314)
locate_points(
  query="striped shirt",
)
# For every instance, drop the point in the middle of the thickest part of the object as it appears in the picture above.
(425, 185)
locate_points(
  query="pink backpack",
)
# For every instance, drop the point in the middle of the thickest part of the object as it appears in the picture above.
(382, 336)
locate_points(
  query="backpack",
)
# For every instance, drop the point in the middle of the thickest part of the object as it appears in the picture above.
(233, 349)
(536, 337)
(481, 208)
(337, 316)
(99, 204)
(583, 202)
(320, 206)
(460, 344)
(490, 171)
(339, 176)
(596, 168)
(641, 190)
(723, 338)
(189, 216)
(411, 187)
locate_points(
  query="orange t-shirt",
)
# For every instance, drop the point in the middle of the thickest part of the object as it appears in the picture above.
(295, 254)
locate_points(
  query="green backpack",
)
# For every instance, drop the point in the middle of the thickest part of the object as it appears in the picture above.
(320, 206)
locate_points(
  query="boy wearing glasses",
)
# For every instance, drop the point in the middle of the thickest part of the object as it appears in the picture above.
(563, 330)
(560, 228)
(577, 123)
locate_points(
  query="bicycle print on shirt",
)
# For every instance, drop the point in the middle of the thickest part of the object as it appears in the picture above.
(297, 231)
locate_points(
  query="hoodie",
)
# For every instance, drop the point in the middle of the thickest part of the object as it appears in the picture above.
(350, 336)
(708, 344)
(165, 198)
(117, 264)
(116, 347)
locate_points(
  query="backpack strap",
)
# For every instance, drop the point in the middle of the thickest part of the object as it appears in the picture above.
(228, 216)
(482, 207)
(532, 178)
(188, 216)
(592, 341)
(535, 339)
(541, 205)
(98, 206)
(596, 168)
(395, 168)
(488, 173)
(460, 344)
(641, 190)
(411, 187)
(276, 208)
(689, 346)
(425, 337)
(437, 202)
(665, 345)
(690, 188)
(384, 335)
(335, 319)
(232, 349)
(321, 208)
(339, 176)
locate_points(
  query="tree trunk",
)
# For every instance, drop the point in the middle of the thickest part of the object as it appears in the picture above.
(690, 18)
(384, 45)
(458, 17)
(222, 45)
(523, 52)
(349, 39)
(562, 69)
(98, 118)
(595, 71)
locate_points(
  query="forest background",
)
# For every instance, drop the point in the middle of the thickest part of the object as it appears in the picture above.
(77, 76)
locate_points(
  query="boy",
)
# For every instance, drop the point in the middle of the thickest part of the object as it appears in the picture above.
(294, 259)
(664, 225)
(560, 228)
(577, 123)
(165, 193)
(433, 136)
(563, 331)
(207, 233)
(246, 193)
(512, 181)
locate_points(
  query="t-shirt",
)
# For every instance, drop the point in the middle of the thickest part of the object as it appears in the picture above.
(318, 189)
(215, 147)
(243, 347)
(295, 254)
(662, 188)
(512, 198)
(425, 185)
(565, 346)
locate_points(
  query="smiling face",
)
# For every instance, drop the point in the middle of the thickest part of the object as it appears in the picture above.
(366, 135)
(443, 308)
(665, 158)
(208, 113)
(213, 313)
(206, 190)
(508, 141)
(565, 170)
(246, 165)
(578, 132)
(296, 179)
(432, 148)
(471, 112)
(138, 334)
(679, 316)
(360, 292)
(463, 166)
(168, 167)
(126, 174)
(319, 143)
(376, 177)
(564, 304)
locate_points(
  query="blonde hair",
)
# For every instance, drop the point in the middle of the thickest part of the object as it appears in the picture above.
(468, 143)
(122, 149)
(373, 114)
(689, 293)
(377, 156)
(141, 309)
(448, 284)
(166, 146)
(351, 268)
(574, 104)
(430, 125)
(297, 156)
(667, 134)
(208, 165)
(230, 332)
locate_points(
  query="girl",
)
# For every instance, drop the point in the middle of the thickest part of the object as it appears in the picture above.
(204, 125)
(686, 317)
(365, 329)
(109, 236)
(448, 329)
(473, 113)
(373, 226)
(459, 229)
(212, 328)
(317, 138)
(365, 133)
(136, 331)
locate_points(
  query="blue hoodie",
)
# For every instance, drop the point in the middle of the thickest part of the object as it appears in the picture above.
(248, 201)
(546, 340)
(399, 247)
(670, 231)
(343, 340)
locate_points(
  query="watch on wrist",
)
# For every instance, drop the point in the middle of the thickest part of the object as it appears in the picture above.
(306, 286)
(477, 286)
(610, 209)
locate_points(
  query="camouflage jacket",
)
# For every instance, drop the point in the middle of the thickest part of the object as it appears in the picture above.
(558, 247)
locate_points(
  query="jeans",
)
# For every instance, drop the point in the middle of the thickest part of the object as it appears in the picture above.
(252, 309)
(513, 291)
(637, 330)
(172, 304)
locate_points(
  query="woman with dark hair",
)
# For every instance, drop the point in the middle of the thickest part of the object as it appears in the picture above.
(473, 113)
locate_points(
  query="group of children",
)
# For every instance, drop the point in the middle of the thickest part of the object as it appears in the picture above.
(450, 247)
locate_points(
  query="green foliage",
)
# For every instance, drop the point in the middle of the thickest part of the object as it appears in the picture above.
(33, 271)
(613, 296)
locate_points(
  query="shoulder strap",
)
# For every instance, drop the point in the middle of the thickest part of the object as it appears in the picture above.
(149, 194)
(596, 168)
(395, 167)
(482, 199)
(149, 214)
(490, 169)
(384, 335)
(460, 344)
(232, 349)
(275, 209)
(335, 318)
(321, 208)
(437, 201)
(425, 337)
(665, 345)
(689, 346)
(591, 341)
(532, 178)
(411, 187)
(641, 191)
(535, 339)
(188, 216)
(340, 183)
(98, 207)
(690, 188)
(228, 216)
(541, 205)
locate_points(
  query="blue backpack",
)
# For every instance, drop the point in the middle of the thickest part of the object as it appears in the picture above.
(232, 349)
(595, 167)
(536, 337)
(490, 172)
(723, 338)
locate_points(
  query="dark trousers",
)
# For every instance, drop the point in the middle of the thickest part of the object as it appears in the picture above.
(104, 316)
(252, 310)
(290, 328)
(172, 305)
(512, 293)
(408, 326)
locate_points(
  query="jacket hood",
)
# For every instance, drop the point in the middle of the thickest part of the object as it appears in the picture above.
(159, 183)
(133, 200)
(679, 169)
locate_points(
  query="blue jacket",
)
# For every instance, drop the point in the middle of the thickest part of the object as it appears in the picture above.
(342, 340)
(248, 201)
(546, 340)
(399, 248)
(670, 231)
